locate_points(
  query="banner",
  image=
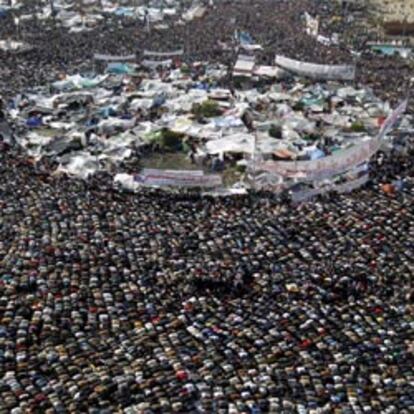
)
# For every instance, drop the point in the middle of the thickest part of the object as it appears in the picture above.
(177, 173)
(173, 178)
(110, 58)
(347, 187)
(312, 25)
(153, 64)
(322, 168)
(196, 12)
(316, 71)
(269, 71)
(392, 119)
(351, 185)
(251, 48)
(268, 182)
(164, 54)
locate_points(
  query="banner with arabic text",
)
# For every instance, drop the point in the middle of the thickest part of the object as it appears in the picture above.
(322, 168)
(173, 178)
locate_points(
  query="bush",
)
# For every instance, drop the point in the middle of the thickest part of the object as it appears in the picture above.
(170, 140)
(185, 70)
(357, 127)
(299, 106)
(240, 168)
(275, 132)
(208, 109)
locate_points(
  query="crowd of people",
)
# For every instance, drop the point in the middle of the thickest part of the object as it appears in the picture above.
(155, 302)
(277, 26)
(159, 302)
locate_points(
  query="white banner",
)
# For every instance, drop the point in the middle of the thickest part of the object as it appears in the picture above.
(177, 173)
(153, 64)
(269, 71)
(322, 168)
(167, 178)
(110, 58)
(316, 71)
(393, 118)
(312, 25)
(196, 12)
(346, 187)
(351, 185)
(251, 48)
(164, 54)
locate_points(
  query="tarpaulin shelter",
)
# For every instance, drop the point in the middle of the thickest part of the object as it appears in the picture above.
(244, 66)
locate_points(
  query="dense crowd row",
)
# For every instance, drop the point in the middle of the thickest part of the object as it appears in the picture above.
(161, 303)
(170, 303)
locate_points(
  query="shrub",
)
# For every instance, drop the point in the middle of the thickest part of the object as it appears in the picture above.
(170, 140)
(357, 127)
(299, 106)
(208, 109)
(275, 131)
(185, 70)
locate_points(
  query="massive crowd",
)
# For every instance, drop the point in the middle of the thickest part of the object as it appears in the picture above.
(276, 25)
(161, 303)
(176, 303)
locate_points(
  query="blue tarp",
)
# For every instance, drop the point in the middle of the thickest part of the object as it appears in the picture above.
(34, 122)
